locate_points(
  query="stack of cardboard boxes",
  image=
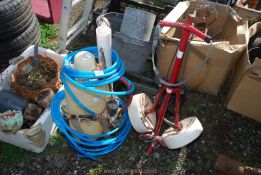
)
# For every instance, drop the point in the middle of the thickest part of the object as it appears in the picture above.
(245, 91)
(229, 51)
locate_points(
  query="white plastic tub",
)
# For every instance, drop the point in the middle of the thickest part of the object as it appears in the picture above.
(37, 137)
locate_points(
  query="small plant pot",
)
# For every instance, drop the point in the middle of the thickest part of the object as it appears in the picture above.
(11, 121)
(28, 87)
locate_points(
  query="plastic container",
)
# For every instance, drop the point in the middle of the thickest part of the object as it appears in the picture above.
(37, 137)
(84, 61)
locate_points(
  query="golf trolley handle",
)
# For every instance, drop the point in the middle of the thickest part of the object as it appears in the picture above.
(186, 27)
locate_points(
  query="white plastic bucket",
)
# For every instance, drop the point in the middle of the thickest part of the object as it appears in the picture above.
(36, 138)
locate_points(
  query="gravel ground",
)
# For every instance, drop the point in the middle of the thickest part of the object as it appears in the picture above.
(224, 132)
(76, 13)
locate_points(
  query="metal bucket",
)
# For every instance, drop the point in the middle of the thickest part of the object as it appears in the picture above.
(114, 19)
(137, 24)
(133, 52)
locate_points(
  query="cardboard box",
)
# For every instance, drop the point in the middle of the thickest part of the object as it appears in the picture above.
(244, 93)
(229, 42)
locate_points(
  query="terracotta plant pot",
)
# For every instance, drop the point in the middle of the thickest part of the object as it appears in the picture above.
(28, 93)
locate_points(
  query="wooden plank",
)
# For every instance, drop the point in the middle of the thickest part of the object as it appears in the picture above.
(175, 14)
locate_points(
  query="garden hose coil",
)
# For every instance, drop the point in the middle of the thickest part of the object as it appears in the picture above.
(91, 146)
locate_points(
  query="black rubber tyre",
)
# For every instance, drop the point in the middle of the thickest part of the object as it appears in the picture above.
(11, 9)
(11, 30)
(15, 47)
(17, 22)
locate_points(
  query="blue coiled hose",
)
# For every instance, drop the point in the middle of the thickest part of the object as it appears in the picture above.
(85, 144)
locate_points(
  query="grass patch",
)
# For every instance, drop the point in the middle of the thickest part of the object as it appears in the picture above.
(194, 109)
(96, 171)
(11, 154)
(55, 145)
(49, 33)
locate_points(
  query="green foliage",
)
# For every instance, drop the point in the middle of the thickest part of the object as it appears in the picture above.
(194, 109)
(48, 36)
(96, 171)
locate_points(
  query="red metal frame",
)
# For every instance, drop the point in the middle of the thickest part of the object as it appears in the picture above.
(125, 82)
(188, 29)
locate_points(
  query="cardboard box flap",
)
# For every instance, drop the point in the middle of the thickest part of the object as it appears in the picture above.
(246, 95)
(254, 29)
(255, 75)
(223, 20)
(220, 8)
(219, 31)
(255, 71)
(182, 7)
(242, 67)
